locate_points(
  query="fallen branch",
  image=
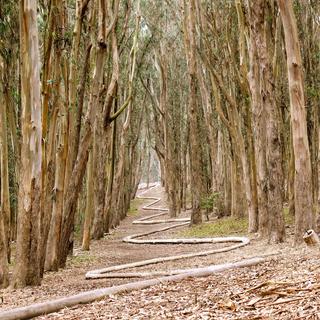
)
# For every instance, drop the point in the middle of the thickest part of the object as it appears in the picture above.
(90, 296)
(106, 272)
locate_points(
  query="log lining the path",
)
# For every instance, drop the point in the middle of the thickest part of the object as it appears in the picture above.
(107, 272)
(55, 305)
(90, 296)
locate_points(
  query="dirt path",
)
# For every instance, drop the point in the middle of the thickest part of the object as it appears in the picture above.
(112, 251)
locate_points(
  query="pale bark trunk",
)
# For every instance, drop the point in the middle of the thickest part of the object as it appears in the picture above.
(57, 208)
(259, 122)
(303, 181)
(100, 150)
(81, 6)
(99, 159)
(57, 151)
(27, 269)
(47, 170)
(235, 130)
(193, 112)
(167, 123)
(74, 184)
(259, 125)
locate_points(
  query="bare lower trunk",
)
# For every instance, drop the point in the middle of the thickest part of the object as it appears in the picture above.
(5, 211)
(89, 206)
(5, 205)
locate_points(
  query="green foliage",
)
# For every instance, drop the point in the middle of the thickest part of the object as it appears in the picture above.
(288, 218)
(134, 206)
(210, 201)
(227, 226)
(221, 227)
(83, 258)
(312, 92)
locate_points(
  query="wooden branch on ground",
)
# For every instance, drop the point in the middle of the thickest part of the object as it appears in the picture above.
(90, 296)
(161, 221)
(106, 272)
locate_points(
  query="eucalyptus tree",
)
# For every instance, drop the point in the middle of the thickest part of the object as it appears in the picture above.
(303, 181)
(5, 214)
(266, 116)
(27, 269)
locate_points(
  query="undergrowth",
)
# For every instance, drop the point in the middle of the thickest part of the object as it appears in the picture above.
(84, 257)
(227, 226)
(220, 227)
(288, 218)
(134, 206)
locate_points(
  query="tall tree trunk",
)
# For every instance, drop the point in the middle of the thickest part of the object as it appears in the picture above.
(193, 112)
(259, 125)
(74, 186)
(27, 269)
(268, 146)
(274, 151)
(4, 199)
(100, 148)
(89, 206)
(303, 181)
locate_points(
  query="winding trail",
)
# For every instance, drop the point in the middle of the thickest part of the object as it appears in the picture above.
(149, 220)
(54, 305)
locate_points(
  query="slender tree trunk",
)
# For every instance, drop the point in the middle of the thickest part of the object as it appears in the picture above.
(259, 125)
(100, 149)
(89, 206)
(4, 199)
(5, 195)
(57, 208)
(27, 269)
(193, 112)
(303, 181)
(74, 186)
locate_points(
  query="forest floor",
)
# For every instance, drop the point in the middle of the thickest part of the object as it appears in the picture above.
(286, 286)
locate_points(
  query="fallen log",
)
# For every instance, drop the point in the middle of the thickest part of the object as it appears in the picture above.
(106, 272)
(161, 221)
(38, 309)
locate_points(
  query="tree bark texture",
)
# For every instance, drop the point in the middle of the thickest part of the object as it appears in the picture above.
(302, 178)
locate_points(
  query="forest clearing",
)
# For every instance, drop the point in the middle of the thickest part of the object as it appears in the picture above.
(159, 159)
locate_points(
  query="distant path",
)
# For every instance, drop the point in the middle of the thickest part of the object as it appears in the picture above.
(149, 220)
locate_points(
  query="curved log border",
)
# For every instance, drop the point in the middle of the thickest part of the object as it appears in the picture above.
(93, 295)
(107, 272)
(55, 305)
